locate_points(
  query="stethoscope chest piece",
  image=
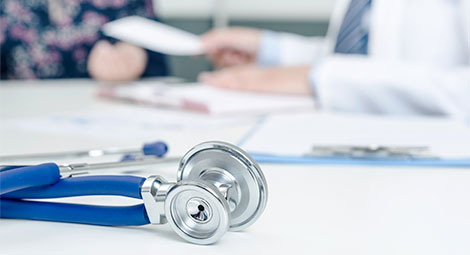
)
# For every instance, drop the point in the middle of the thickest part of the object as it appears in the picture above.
(234, 174)
(197, 212)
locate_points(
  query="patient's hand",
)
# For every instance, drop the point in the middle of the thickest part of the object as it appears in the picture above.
(281, 80)
(119, 62)
(231, 46)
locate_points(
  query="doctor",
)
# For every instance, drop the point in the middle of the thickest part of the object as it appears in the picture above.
(379, 56)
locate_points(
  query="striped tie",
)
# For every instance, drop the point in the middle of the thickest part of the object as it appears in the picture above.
(353, 34)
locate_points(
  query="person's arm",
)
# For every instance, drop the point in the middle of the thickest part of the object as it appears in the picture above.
(122, 61)
(237, 46)
(359, 84)
(292, 80)
(285, 49)
(116, 63)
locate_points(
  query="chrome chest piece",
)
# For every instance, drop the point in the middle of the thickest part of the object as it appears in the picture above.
(220, 187)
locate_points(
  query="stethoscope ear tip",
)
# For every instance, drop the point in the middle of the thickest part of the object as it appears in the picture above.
(197, 212)
(158, 149)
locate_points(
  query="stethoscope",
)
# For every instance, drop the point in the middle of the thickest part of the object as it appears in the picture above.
(219, 187)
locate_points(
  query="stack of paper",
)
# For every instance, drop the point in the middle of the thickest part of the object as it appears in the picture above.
(206, 99)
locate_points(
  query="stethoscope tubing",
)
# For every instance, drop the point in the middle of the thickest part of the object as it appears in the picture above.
(74, 213)
(21, 177)
(120, 166)
(44, 181)
(105, 185)
(30, 176)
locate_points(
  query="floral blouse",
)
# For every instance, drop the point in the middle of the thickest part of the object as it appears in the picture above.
(52, 38)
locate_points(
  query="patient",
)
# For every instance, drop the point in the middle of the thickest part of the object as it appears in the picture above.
(46, 39)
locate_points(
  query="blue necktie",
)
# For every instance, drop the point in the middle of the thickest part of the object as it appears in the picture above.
(353, 34)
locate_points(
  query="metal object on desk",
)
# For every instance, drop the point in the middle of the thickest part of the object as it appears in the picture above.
(372, 151)
(137, 164)
(235, 174)
(219, 187)
(156, 149)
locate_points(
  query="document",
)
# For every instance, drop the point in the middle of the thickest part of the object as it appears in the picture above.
(153, 35)
(111, 125)
(123, 122)
(207, 100)
(293, 136)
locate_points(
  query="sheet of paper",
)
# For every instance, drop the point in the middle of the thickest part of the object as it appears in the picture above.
(124, 123)
(295, 134)
(209, 100)
(154, 36)
(117, 126)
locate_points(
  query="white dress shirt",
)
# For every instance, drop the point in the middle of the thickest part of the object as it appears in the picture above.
(418, 61)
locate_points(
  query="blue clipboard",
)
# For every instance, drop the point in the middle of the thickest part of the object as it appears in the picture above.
(309, 160)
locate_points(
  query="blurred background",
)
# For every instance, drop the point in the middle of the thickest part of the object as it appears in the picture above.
(304, 17)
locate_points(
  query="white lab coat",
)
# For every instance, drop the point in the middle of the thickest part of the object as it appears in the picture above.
(418, 61)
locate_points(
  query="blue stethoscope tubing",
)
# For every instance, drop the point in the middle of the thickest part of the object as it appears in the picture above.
(17, 178)
(44, 181)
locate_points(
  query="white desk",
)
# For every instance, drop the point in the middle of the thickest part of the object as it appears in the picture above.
(311, 209)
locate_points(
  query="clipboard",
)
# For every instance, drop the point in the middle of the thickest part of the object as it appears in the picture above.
(358, 139)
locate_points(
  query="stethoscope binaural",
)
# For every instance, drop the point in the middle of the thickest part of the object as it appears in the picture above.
(219, 187)
(153, 149)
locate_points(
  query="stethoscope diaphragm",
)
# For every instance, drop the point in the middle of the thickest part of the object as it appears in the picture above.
(234, 173)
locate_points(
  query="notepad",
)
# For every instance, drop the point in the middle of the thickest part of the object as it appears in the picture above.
(207, 100)
(153, 35)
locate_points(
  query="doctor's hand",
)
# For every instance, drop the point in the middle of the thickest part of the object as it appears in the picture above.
(231, 46)
(116, 63)
(281, 80)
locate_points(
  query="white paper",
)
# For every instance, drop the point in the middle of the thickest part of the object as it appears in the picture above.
(125, 123)
(295, 134)
(118, 126)
(154, 36)
(209, 100)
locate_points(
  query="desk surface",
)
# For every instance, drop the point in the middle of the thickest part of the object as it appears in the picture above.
(310, 210)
